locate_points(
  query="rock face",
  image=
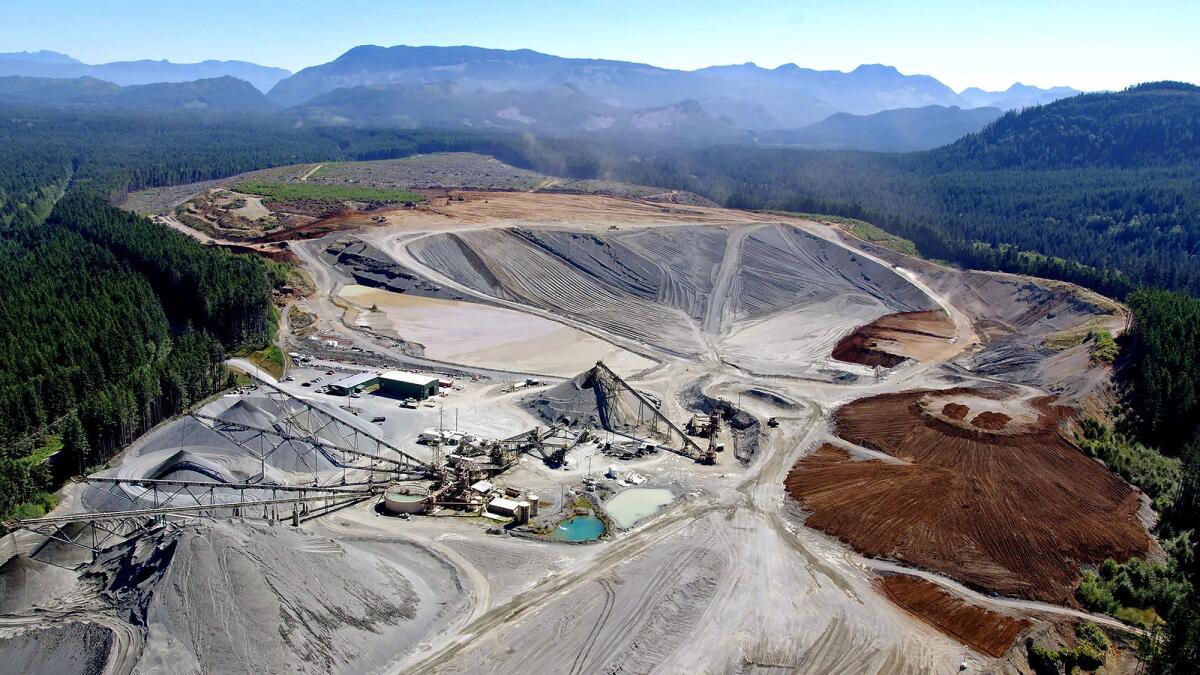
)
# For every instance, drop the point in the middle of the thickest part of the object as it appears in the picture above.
(371, 267)
(894, 338)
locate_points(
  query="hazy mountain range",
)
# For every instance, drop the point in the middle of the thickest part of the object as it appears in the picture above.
(218, 94)
(749, 96)
(898, 130)
(56, 65)
(873, 107)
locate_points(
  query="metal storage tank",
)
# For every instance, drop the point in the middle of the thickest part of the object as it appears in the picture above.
(405, 499)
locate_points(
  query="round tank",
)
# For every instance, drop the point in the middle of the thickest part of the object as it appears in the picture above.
(405, 499)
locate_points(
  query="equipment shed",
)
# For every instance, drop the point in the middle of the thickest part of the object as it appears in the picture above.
(502, 506)
(408, 385)
(353, 384)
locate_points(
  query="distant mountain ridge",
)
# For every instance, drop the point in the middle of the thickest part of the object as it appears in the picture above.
(43, 56)
(125, 73)
(899, 130)
(1017, 96)
(563, 111)
(872, 107)
(219, 94)
(747, 95)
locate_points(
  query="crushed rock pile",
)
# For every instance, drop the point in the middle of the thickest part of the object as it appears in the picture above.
(223, 597)
(582, 403)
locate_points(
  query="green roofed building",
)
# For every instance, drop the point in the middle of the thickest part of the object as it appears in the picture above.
(402, 384)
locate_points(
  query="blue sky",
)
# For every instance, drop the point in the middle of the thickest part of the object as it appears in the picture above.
(1088, 45)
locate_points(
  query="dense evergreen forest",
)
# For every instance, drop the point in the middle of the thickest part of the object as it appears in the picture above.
(93, 327)
(1156, 446)
(109, 323)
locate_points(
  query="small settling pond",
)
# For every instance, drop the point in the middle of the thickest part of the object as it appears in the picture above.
(579, 528)
(635, 504)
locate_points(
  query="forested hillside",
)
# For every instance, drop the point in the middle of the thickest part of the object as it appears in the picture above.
(108, 322)
(898, 130)
(1155, 445)
(1164, 368)
(1152, 124)
(92, 330)
(220, 94)
(227, 295)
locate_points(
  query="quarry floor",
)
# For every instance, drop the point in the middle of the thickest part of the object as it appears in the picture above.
(725, 579)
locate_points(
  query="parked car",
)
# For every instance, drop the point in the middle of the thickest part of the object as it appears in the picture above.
(378, 418)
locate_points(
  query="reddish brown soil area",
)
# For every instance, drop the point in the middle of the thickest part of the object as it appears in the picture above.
(860, 347)
(955, 411)
(345, 220)
(986, 631)
(1014, 511)
(993, 421)
(890, 339)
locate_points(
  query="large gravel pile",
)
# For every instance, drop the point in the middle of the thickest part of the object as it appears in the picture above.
(581, 402)
(212, 597)
(72, 648)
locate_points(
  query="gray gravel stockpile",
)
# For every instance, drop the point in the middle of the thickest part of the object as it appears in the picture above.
(214, 596)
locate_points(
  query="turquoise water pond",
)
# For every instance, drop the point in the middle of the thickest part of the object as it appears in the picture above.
(579, 528)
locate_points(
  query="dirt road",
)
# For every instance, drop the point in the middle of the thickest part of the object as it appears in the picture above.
(310, 172)
(719, 300)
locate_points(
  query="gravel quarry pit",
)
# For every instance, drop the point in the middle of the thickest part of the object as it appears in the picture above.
(734, 575)
(765, 297)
